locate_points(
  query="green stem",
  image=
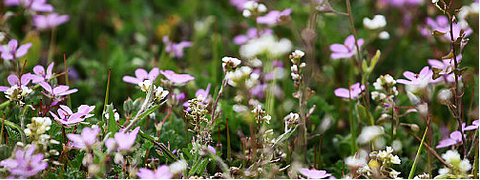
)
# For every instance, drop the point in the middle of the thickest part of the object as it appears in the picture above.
(51, 48)
(414, 166)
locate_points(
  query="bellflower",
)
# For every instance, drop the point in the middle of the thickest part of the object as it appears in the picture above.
(353, 92)
(49, 21)
(274, 17)
(313, 173)
(175, 78)
(141, 75)
(86, 139)
(123, 140)
(346, 50)
(12, 51)
(25, 164)
(176, 49)
(251, 33)
(454, 139)
(35, 5)
(67, 117)
(162, 172)
(56, 93)
(41, 75)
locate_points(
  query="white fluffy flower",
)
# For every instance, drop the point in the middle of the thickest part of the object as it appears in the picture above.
(465, 165)
(384, 35)
(377, 22)
(369, 133)
(443, 171)
(265, 44)
(178, 167)
(395, 159)
(451, 156)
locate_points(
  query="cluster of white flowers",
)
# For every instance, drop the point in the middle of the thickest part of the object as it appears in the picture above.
(297, 67)
(386, 156)
(242, 75)
(159, 93)
(460, 167)
(385, 89)
(379, 165)
(291, 120)
(377, 22)
(266, 44)
(18, 93)
(261, 114)
(38, 126)
(253, 8)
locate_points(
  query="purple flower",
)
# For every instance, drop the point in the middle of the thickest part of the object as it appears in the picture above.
(176, 49)
(57, 92)
(123, 140)
(447, 66)
(25, 164)
(86, 139)
(10, 51)
(251, 33)
(142, 75)
(36, 5)
(441, 24)
(49, 21)
(14, 81)
(175, 78)
(162, 172)
(259, 90)
(67, 117)
(402, 3)
(273, 17)
(353, 92)
(313, 173)
(346, 50)
(239, 3)
(454, 139)
(471, 127)
(420, 79)
(41, 75)
(211, 149)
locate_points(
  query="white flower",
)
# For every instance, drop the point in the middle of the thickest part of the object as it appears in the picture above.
(444, 96)
(246, 13)
(231, 61)
(297, 54)
(145, 85)
(394, 174)
(451, 157)
(395, 159)
(160, 93)
(434, 1)
(267, 118)
(464, 165)
(294, 68)
(262, 8)
(369, 133)
(443, 171)
(295, 76)
(178, 167)
(358, 160)
(239, 108)
(377, 22)
(378, 84)
(384, 35)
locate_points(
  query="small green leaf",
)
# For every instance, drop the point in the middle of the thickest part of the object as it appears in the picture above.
(364, 66)
(438, 33)
(448, 56)
(374, 60)
(460, 72)
(364, 115)
(436, 73)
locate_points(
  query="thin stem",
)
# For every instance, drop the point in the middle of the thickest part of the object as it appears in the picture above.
(414, 166)
(144, 106)
(430, 149)
(52, 44)
(107, 91)
(224, 84)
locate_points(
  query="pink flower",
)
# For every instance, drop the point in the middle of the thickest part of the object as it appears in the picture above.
(57, 92)
(86, 139)
(175, 78)
(41, 75)
(471, 127)
(49, 21)
(422, 78)
(239, 3)
(67, 117)
(142, 75)
(441, 24)
(251, 33)
(13, 80)
(25, 164)
(176, 49)
(313, 173)
(273, 17)
(10, 51)
(346, 50)
(447, 66)
(352, 93)
(162, 172)
(36, 5)
(123, 140)
(454, 139)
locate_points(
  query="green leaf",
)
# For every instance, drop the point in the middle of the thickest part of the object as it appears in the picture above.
(365, 66)
(33, 55)
(14, 126)
(460, 72)
(112, 124)
(438, 33)
(374, 61)
(436, 73)
(448, 56)
(364, 115)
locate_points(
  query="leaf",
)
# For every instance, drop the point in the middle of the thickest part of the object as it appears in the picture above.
(14, 126)
(448, 56)
(374, 60)
(364, 115)
(365, 66)
(460, 72)
(438, 33)
(112, 124)
(436, 73)
(33, 54)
